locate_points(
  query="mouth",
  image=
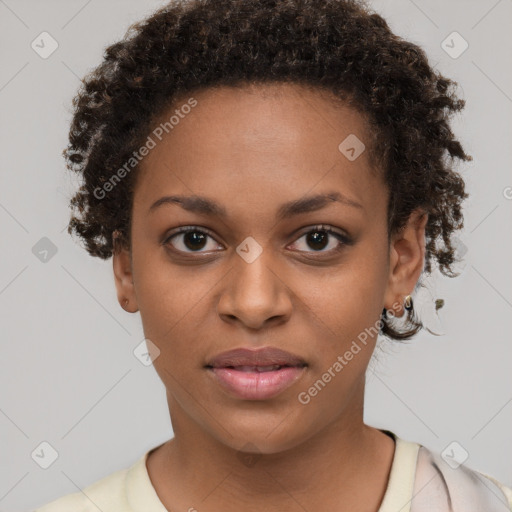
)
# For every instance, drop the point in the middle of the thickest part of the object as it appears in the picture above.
(259, 369)
(256, 374)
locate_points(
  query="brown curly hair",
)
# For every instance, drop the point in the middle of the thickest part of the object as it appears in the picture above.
(339, 46)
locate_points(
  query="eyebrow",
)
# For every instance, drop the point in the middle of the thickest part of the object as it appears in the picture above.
(205, 206)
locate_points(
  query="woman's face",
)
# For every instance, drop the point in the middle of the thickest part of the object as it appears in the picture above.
(258, 269)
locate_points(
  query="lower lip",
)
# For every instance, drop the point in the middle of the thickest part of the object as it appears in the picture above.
(257, 385)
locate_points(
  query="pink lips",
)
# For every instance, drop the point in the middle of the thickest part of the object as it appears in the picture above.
(256, 374)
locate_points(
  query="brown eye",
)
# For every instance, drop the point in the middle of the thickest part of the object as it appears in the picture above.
(190, 239)
(321, 237)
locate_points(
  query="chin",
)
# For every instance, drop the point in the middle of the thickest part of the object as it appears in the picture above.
(263, 435)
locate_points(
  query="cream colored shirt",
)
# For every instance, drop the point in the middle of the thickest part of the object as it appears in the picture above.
(419, 481)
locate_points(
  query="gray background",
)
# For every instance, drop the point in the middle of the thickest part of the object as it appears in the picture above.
(68, 375)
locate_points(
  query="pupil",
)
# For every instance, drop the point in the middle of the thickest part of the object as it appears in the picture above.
(194, 240)
(317, 237)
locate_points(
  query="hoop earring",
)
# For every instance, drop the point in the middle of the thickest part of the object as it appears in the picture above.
(408, 303)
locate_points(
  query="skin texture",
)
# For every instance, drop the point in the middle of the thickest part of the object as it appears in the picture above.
(251, 150)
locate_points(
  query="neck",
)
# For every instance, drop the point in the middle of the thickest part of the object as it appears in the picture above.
(342, 467)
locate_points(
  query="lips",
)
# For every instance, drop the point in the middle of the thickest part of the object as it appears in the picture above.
(264, 359)
(257, 374)
(269, 368)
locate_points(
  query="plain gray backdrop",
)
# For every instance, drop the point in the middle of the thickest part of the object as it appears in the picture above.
(68, 375)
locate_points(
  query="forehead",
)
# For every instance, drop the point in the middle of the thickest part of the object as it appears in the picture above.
(265, 111)
(256, 143)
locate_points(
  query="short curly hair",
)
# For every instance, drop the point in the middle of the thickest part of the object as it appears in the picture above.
(340, 46)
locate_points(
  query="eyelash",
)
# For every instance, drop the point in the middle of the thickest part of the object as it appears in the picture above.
(344, 239)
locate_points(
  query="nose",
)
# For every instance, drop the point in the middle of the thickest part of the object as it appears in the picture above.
(255, 296)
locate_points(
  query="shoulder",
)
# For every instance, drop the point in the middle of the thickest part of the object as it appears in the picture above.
(442, 484)
(107, 494)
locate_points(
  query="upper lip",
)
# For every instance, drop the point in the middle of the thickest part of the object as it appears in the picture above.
(267, 356)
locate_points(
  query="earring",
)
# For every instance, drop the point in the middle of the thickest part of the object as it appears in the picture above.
(408, 303)
(125, 303)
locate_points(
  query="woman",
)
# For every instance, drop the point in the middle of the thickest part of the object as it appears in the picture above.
(271, 181)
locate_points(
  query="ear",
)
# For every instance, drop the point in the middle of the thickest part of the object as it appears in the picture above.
(122, 265)
(406, 261)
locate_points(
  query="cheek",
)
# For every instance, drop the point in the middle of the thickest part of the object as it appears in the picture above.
(349, 297)
(346, 307)
(168, 296)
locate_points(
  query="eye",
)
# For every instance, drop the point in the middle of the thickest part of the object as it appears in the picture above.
(193, 239)
(190, 239)
(318, 239)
